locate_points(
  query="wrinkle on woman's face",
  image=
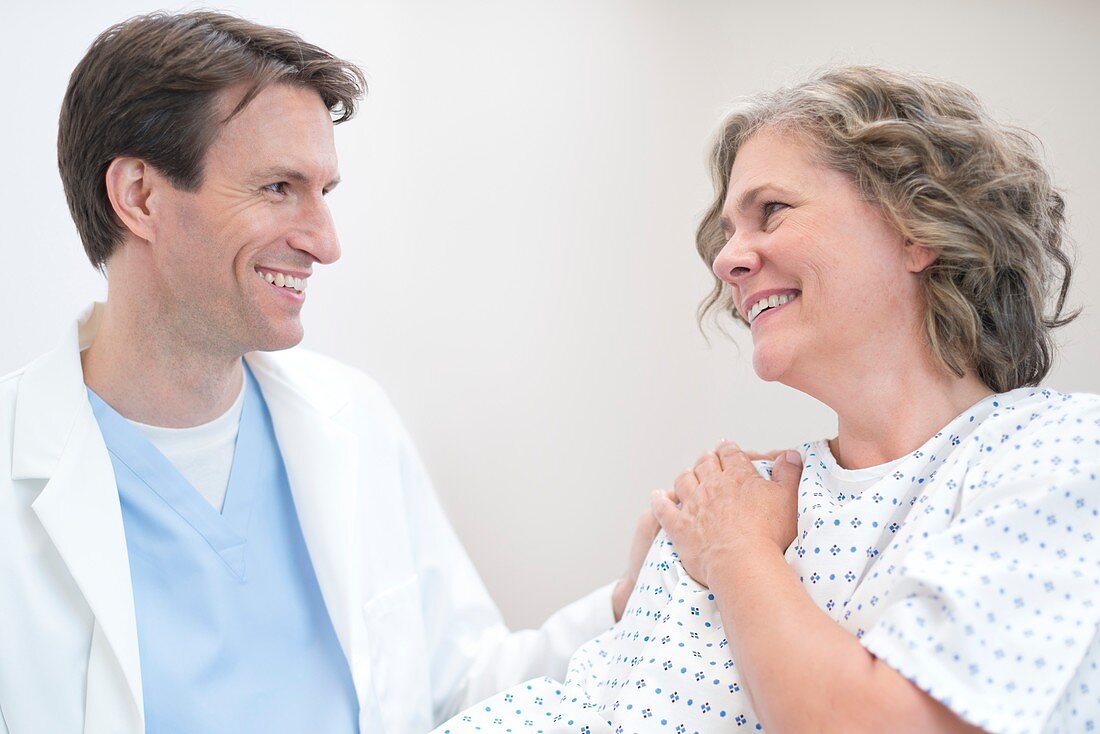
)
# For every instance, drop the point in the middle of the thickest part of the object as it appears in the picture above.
(797, 226)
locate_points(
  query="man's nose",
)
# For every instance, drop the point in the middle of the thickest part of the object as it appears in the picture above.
(317, 233)
(736, 261)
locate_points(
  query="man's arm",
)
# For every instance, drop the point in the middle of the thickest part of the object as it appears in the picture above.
(472, 652)
(550, 647)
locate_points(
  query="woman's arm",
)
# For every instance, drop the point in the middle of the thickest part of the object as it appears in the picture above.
(802, 671)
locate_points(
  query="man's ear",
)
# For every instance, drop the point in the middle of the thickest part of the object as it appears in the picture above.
(132, 189)
(918, 256)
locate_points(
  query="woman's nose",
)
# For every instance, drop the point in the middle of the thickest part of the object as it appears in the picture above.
(735, 261)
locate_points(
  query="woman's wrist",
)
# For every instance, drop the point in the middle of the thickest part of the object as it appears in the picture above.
(737, 562)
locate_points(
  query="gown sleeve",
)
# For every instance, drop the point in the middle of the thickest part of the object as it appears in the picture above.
(996, 613)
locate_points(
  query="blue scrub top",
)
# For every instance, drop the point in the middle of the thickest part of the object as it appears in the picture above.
(233, 633)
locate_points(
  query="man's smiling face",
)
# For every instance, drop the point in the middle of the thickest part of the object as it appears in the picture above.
(232, 257)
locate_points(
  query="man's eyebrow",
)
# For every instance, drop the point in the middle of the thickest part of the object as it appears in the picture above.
(291, 174)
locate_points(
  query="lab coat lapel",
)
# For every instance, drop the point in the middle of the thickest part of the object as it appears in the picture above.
(57, 438)
(321, 461)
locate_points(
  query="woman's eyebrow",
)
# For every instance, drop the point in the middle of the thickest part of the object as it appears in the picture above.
(746, 201)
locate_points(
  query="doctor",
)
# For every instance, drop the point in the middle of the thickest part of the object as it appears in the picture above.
(200, 531)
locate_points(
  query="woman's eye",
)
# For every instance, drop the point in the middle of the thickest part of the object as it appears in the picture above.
(771, 208)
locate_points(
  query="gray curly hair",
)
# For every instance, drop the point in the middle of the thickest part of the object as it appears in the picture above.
(947, 176)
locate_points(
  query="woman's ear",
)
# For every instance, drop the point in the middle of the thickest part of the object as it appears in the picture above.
(918, 256)
(131, 184)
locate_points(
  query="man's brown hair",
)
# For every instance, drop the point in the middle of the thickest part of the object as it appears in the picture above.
(149, 88)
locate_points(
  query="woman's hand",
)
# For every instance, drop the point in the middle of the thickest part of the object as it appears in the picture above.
(725, 505)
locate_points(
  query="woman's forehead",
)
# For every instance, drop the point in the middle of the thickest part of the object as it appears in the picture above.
(771, 161)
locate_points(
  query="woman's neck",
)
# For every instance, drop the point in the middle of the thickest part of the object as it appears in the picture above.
(885, 414)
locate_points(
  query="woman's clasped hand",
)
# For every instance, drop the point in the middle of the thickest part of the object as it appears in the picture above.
(723, 504)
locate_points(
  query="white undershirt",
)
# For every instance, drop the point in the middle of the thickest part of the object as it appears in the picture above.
(202, 454)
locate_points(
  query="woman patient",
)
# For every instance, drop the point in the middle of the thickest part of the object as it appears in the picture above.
(897, 255)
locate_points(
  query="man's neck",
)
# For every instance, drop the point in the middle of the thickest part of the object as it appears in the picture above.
(155, 375)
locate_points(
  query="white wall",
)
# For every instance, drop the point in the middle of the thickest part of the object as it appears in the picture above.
(517, 217)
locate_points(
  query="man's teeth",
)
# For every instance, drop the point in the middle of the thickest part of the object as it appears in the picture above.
(770, 302)
(284, 281)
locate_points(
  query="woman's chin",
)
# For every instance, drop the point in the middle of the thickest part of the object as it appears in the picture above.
(768, 365)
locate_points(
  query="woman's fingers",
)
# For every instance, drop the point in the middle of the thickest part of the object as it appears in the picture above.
(787, 469)
(685, 485)
(763, 455)
(706, 466)
(664, 509)
(724, 499)
(732, 458)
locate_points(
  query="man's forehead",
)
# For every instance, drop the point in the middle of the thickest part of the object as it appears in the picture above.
(284, 128)
(236, 99)
(280, 106)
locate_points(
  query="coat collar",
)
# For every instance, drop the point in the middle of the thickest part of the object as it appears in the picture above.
(320, 457)
(51, 398)
(57, 438)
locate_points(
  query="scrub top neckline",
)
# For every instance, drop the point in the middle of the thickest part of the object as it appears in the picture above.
(225, 532)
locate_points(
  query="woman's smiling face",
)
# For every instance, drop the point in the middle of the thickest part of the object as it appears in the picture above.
(823, 279)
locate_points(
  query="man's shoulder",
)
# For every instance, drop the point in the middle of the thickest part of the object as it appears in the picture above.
(323, 380)
(12, 378)
(9, 393)
(9, 389)
(303, 361)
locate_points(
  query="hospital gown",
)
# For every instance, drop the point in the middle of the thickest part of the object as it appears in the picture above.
(970, 566)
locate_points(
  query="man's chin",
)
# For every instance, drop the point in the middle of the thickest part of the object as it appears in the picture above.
(277, 341)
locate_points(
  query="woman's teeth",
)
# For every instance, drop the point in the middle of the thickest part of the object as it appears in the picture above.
(770, 302)
(283, 281)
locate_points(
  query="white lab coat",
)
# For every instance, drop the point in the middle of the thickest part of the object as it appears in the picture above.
(418, 628)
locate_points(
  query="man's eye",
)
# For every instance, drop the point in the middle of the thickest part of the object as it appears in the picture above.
(276, 188)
